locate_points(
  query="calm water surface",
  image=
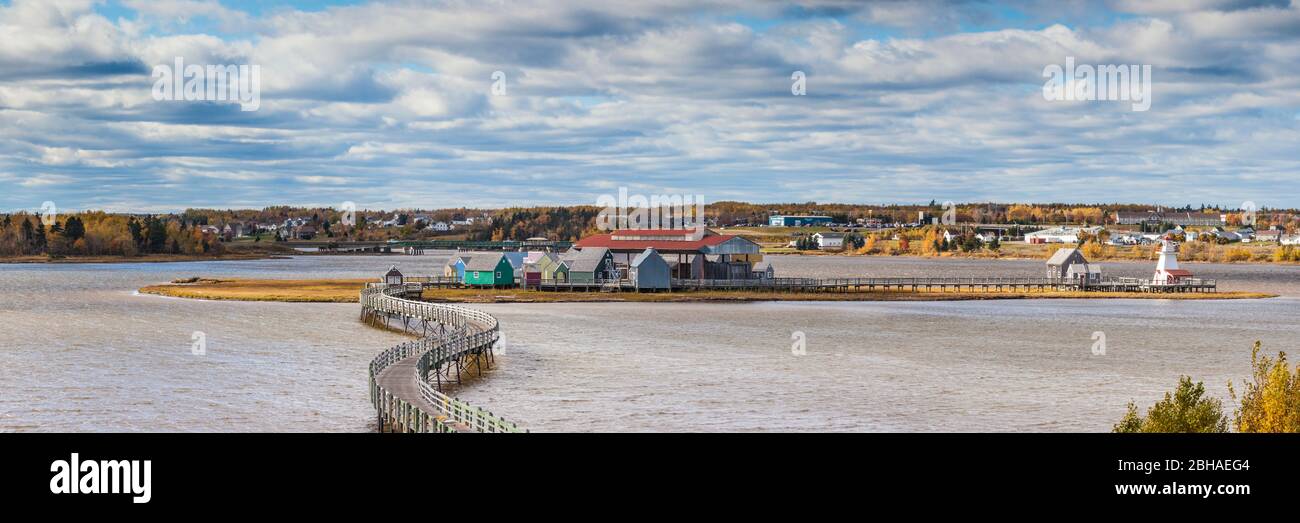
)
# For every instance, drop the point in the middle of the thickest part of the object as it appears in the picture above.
(80, 351)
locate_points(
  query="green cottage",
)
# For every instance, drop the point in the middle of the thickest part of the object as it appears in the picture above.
(489, 270)
(556, 272)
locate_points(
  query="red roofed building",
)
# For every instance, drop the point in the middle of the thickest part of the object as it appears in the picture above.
(691, 253)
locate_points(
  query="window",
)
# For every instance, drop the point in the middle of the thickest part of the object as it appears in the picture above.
(498, 274)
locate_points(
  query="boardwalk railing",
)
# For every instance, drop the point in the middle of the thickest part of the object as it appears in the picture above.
(451, 335)
(942, 283)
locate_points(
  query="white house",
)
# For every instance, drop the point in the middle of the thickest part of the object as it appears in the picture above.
(439, 226)
(1293, 239)
(829, 240)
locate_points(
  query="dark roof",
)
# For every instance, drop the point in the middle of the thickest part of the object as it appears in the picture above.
(485, 262)
(1063, 255)
(586, 260)
(645, 256)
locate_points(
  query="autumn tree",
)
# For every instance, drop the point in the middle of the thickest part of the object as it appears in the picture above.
(1185, 410)
(1271, 401)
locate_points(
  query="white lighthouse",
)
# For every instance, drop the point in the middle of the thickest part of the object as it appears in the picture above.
(1167, 271)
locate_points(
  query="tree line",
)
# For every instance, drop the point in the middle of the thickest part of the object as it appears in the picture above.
(99, 233)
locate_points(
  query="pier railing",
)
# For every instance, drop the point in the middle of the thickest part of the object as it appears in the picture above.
(929, 283)
(459, 333)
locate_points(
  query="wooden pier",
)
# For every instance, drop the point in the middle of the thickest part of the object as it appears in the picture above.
(406, 380)
(943, 284)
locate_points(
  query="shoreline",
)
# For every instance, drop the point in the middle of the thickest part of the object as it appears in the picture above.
(1103, 259)
(346, 291)
(148, 258)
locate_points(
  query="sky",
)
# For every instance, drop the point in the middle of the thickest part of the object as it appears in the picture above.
(394, 105)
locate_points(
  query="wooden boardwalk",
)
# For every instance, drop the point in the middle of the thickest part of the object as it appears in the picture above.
(941, 284)
(406, 380)
(921, 284)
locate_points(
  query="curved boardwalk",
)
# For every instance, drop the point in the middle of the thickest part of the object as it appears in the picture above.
(406, 380)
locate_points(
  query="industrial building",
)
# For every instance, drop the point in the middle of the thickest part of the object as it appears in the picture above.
(1185, 219)
(783, 220)
(690, 253)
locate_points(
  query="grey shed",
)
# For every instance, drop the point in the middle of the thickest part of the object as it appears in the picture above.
(1058, 266)
(649, 271)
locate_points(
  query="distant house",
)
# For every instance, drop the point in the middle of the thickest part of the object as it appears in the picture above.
(439, 226)
(763, 271)
(828, 241)
(455, 267)
(306, 232)
(489, 270)
(1070, 265)
(1229, 236)
(393, 276)
(1271, 235)
(1293, 239)
(649, 271)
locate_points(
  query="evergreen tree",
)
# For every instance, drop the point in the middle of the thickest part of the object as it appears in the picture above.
(27, 234)
(157, 234)
(133, 226)
(38, 239)
(75, 229)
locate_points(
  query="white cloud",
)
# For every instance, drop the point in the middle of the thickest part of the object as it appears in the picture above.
(375, 99)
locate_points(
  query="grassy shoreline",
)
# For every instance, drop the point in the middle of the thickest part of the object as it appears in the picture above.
(346, 290)
(147, 258)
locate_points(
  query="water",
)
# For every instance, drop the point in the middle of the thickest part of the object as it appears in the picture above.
(79, 351)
